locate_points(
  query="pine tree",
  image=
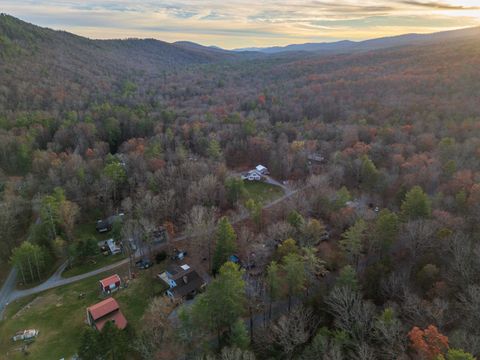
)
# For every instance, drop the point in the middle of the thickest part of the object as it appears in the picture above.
(352, 241)
(295, 277)
(226, 243)
(273, 283)
(416, 205)
(239, 335)
(223, 302)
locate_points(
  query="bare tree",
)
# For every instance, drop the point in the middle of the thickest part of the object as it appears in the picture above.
(199, 225)
(352, 314)
(418, 237)
(293, 329)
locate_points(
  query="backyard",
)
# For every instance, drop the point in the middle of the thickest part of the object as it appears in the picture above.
(59, 314)
(261, 192)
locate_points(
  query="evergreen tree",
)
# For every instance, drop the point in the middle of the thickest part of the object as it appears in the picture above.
(273, 283)
(416, 205)
(347, 277)
(255, 210)
(223, 303)
(239, 335)
(235, 189)
(226, 243)
(352, 241)
(369, 175)
(386, 230)
(296, 220)
(295, 277)
(90, 347)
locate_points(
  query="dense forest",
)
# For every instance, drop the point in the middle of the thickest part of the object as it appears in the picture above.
(159, 131)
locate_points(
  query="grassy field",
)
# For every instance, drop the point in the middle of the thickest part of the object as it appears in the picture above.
(94, 263)
(261, 192)
(59, 315)
(87, 230)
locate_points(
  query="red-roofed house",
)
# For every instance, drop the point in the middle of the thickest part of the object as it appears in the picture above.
(106, 310)
(110, 284)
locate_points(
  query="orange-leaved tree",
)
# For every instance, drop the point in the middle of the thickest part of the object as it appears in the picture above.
(428, 343)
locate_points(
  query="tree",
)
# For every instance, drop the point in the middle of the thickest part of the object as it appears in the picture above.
(30, 260)
(347, 277)
(273, 282)
(226, 243)
(429, 343)
(314, 266)
(115, 173)
(456, 354)
(295, 277)
(416, 205)
(351, 313)
(90, 347)
(386, 230)
(239, 335)
(295, 219)
(255, 210)
(293, 329)
(369, 175)
(199, 225)
(50, 210)
(214, 150)
(235, 189)
(288, 246)
(68, 213)
(389, 333)
(223, 303)
(352, 241)
(312, 232)
(115, 342)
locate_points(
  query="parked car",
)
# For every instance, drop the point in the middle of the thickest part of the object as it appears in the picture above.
(132, 244)
(25, 334)
(178, 254)
(143, 264)
(106, 225)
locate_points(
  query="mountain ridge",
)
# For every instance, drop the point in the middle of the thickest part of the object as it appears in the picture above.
(344, 46)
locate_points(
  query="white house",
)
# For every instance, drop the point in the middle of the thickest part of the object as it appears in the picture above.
(252, 175)
(261, 170)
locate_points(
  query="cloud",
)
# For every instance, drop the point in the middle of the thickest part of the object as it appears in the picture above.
(243, 23)
(439, 5)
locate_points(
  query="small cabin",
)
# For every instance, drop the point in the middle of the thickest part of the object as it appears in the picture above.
(110, 284)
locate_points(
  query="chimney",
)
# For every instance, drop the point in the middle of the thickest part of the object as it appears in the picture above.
(185, 279)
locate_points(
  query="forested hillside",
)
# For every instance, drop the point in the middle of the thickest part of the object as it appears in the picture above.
(379, 150)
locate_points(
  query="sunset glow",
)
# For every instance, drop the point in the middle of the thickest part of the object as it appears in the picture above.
(240, 23)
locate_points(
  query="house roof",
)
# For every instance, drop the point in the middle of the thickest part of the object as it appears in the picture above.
(260, 167)
(176, 272)
(117, 318)
(110, 280)
(103, 308)
(188, 283)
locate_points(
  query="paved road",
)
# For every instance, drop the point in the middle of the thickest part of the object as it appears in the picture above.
(8, 292)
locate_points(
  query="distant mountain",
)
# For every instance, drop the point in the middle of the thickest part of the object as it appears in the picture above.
(36, 60)
(347, 46)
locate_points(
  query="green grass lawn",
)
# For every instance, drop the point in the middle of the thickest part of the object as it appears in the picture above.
(261, 192)
(96, 262)
(87, 230)
(59, 314)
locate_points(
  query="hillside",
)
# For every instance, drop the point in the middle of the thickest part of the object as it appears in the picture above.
(36, 61)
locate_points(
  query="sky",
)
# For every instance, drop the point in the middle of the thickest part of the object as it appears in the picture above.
(238, 23)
